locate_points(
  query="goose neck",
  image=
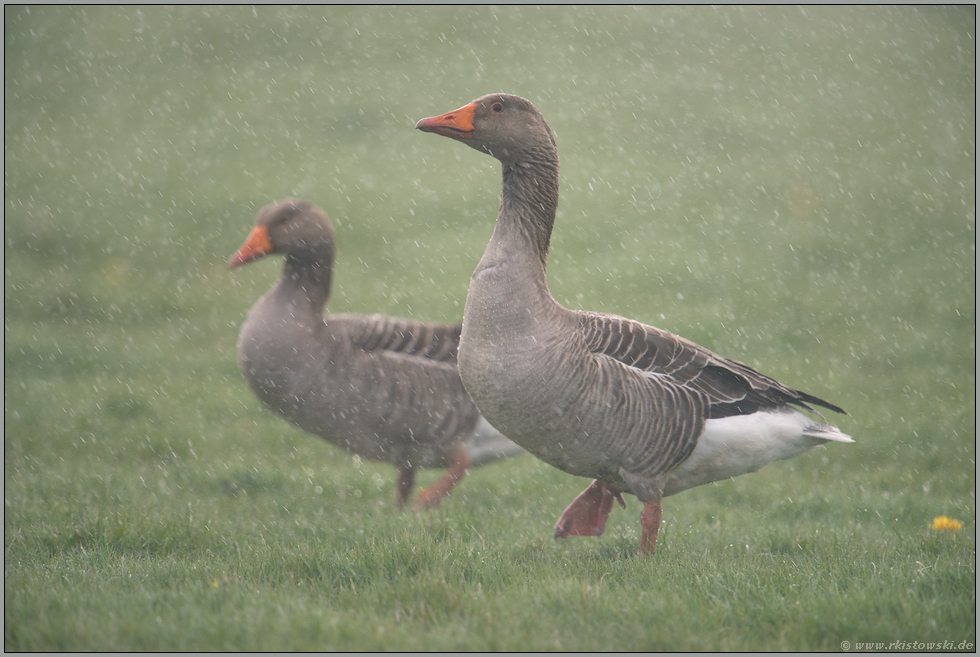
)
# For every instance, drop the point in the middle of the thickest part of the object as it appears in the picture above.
(306, 281)
(528, 202)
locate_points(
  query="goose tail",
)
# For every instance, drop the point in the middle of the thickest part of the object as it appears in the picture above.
(827, 432)
(487, 445)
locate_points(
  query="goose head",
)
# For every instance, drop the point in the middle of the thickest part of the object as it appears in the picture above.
(508, 127)
(297, 229)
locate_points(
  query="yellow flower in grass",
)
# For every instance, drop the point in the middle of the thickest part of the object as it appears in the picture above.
(944, 524)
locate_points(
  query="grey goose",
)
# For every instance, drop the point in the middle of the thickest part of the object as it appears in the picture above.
(634, 407)
(383, 388)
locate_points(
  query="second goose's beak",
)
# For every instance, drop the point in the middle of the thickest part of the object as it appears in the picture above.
(256, 246)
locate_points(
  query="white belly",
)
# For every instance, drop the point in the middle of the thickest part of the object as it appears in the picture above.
(734, 446)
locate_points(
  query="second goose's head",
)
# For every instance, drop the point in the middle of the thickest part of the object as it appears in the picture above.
(297, 229)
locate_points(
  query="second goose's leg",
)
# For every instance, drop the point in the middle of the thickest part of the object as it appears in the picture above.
(406, 481)
(432, 496)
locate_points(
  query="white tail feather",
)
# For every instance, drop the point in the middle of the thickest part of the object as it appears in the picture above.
(827, 432)
(487, 445)
(733, 446)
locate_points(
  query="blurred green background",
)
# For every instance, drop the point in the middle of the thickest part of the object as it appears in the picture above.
(790, 187)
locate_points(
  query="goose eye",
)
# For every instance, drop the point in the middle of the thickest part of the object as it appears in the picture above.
(497, 107)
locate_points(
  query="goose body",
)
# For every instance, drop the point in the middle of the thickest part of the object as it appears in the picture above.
(383, 388)
(634, 407)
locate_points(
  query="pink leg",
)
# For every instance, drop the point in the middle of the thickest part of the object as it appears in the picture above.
(650, 524)
(406, 481)
(587, 514)
(432, 496)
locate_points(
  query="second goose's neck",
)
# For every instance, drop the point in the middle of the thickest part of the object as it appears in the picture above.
(306, 282)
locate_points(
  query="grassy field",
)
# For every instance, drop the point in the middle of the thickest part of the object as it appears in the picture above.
(793, 188)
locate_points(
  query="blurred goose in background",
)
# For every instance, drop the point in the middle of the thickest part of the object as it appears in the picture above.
(636, 408)
(385, 389)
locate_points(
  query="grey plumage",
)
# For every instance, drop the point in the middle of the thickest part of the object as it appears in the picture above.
(594, 394)
(387, 389)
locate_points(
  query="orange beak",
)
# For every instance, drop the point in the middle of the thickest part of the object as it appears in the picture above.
(457, 124)
(256, 246)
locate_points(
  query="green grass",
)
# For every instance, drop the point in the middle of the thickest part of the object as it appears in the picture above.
(791, 188)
